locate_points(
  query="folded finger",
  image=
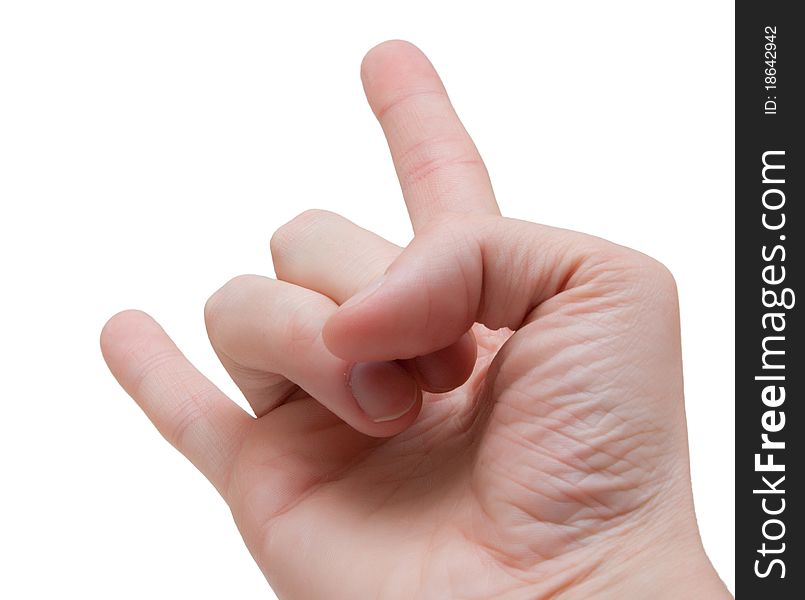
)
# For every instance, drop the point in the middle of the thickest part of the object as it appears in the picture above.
(325, 252)
(473, 269)
(275, 327)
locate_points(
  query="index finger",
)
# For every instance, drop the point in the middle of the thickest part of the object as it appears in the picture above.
(437, 163)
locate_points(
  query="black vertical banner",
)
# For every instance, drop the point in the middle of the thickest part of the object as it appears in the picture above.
(770, 367)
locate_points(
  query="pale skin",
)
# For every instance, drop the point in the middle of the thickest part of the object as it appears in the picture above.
(499, 416)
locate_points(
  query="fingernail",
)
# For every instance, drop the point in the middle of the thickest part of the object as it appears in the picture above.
(383, 390)
(365, 292)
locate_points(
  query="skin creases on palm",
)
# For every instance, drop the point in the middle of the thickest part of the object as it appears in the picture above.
(543, 457)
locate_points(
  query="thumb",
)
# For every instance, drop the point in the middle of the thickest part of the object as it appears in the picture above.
(463, 270)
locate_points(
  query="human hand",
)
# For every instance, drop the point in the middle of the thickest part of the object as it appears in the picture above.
(500, 416)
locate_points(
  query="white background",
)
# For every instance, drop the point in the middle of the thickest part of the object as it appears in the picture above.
(148, 150)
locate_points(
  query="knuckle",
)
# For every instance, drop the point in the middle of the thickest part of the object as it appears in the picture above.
(405, 100)
(664, 277)
(298, 229)
(224, 301)
(655, 272)
(435, 155)
(302, 330)
(151, 369)
(651, 277)
(628, 274)
(190, 415)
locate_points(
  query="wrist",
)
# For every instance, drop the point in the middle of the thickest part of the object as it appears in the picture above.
(680, 575)
(661, 567)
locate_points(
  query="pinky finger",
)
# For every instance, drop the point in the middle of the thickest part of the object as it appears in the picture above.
(186, 408)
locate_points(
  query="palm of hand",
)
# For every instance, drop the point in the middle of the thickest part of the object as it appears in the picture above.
(477, 492)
